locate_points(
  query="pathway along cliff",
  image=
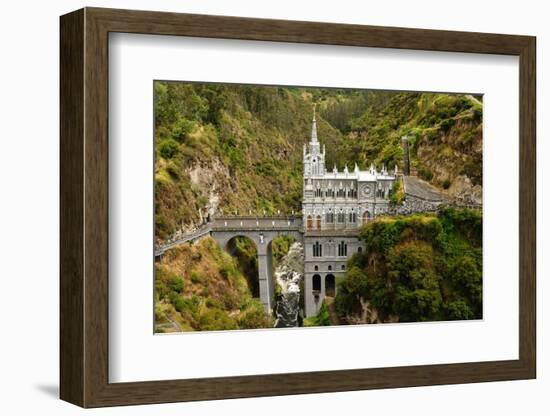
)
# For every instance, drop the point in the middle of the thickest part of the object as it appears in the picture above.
(289, 274)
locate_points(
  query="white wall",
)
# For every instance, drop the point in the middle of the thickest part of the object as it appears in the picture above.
(29, 209)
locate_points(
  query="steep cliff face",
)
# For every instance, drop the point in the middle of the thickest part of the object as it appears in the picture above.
(451, 156)
(445, 137)
(239, 148)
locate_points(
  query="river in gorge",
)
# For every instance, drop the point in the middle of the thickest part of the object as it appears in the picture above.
(289, 275)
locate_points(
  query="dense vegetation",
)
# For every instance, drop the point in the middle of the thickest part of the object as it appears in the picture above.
(199, 287)
(321, 319)
(238, 148)
(444, 131)
(423, 267)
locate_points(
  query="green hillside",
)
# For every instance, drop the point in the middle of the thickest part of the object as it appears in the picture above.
(445, 135)
(238, 148)
(199, 287)
(424, 267)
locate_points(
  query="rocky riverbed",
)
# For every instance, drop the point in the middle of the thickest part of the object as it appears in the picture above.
(289, 274)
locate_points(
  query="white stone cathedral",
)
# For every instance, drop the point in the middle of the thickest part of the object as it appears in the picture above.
(335, 204)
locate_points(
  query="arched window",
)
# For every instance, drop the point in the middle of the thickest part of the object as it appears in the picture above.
(330, 285)
(309, 222)
(330, 217)
(342, 249)
(360, 249)
(316, 283)
(366, 217)
(341, 217)
(317, 249)
(343, 267)
(329, 267)
(316, 268)
(318, 222)
(352, 217)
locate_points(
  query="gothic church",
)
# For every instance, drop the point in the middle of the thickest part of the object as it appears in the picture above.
(335, 205)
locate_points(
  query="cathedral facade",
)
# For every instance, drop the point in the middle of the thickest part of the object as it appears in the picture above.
(335, 205)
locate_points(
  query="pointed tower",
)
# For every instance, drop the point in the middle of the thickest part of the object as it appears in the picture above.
(314, 161)
(314, 145)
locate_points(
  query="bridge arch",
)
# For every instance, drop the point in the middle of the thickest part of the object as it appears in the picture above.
(245, 250)
(261, 231)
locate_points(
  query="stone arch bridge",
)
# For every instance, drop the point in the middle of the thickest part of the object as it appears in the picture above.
(262, 231)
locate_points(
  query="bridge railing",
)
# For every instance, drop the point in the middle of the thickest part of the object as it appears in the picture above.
(234, 222)
(252, 222)
(203, 230)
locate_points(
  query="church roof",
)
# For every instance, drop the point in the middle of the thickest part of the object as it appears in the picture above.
(370, 175)
(361, 176)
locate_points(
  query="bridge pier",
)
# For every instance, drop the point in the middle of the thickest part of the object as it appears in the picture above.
(261, 231)
(265, 278)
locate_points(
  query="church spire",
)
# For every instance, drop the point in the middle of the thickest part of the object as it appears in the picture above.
(314, 128)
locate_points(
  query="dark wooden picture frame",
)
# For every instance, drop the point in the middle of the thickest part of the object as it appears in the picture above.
(84, 207)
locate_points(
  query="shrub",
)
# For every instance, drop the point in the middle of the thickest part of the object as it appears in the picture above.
(195, 277)
(397, 194)
(255, 317)
(181, 129)
(176, 284)
(216, 319)
(185, 304)
(478, 112)
(278, 290)
(173, 169)
(447, 124)
(425, 173)
(179, 303)
(280, 247)
(227, 270)
(321, 319)
(213, 303)
(168, 148)
(458, 310)
(355, 286)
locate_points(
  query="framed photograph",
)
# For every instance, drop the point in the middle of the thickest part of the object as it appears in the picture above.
(256, 207)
